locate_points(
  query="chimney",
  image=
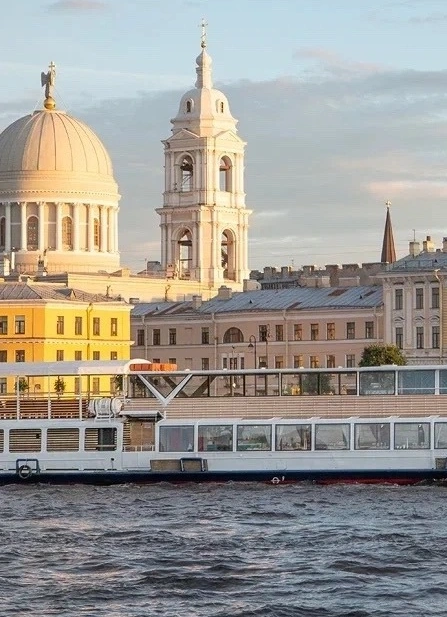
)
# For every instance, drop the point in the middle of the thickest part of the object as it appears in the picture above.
(428, 246)
(196, 302)
(224, 293)
(414, 248)
(444, 245)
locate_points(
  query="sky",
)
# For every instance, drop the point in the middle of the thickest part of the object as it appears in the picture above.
(342, 103)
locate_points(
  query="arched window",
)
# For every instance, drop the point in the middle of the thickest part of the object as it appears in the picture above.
(2, 232)
(67, 233)
(186, 173)
(233, 335)
(185, 254)
(225, 174)
(221, 107)
(188, 107)
(32, 227)
(228, 255)
(96, 233)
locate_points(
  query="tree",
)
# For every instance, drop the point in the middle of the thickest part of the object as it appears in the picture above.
(59, 387)
(316, 383)
(377, 355)
(23, 385)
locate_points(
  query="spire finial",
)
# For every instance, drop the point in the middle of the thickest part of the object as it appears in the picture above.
(388, 203)
(47, 80)
(203, 25)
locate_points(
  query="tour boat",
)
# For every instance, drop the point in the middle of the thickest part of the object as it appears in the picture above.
(115, 422)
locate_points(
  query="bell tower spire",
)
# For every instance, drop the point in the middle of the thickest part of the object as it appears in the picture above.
(204, 221)
(388, 249)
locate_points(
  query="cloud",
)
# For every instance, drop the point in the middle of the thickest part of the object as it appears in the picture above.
(334, 62)
(62, 6)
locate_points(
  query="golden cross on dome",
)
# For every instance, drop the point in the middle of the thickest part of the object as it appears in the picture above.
(203, 25)
(48, 80)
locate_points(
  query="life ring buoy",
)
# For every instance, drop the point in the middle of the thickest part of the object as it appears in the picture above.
(24, 472)
(276, 480)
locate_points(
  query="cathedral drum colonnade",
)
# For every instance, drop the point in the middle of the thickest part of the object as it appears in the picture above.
(58, 197)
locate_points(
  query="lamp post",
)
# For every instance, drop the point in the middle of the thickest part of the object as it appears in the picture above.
(252, 345)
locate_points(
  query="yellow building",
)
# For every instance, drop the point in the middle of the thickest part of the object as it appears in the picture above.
(50, 323)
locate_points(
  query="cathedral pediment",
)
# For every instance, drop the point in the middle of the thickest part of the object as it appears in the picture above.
(181, 135)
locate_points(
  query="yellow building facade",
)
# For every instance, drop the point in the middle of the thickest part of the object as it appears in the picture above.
(48, 323)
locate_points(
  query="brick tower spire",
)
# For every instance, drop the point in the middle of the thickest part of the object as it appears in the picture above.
(388, 250)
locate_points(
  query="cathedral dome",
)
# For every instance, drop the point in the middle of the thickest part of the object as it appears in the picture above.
(49, 154)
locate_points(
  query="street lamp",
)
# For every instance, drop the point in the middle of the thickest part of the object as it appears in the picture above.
(252, 345)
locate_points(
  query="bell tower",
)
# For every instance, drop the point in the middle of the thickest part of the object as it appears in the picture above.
(204, 221)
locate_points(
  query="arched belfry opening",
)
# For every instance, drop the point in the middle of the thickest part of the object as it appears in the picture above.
(225, 174)
(186, 174)
(228, 254)
(32, 229)
(184, 254)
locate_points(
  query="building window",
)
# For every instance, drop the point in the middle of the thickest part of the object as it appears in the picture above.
(78, 326)
(172, 336)
(369, 329)
(3, 232)
(3, 356)
(156, 336)
(114, 355)
(95, 385)
(205, 336)
(279, 362)
(314, 332)
(3, 385)
(330, 361)
(398, 299)
(298, 332)
(67, 233)
(60, 325)
(419, 297)
(113, 326)
(435, 297)
(298, 361)
(263, 333)
(419, 337)
(3, 325)
(20, 324)
(96, 233)
(96, 355)
(156, 360)
(59, 355)
(314, 362)
(330, 331)
(350, 330)
(32, 233)
(96, 326)
(205, 364)
(399, 337)
(279, 333)
(78, 356)
(140, 338)
(20, 355)
(77, 385)
(172, 361)
(435, 337)
(350, 360)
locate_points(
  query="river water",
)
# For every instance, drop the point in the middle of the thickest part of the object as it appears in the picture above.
(234, 550)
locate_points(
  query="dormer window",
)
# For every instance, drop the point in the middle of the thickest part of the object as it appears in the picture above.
(188, 107)
(221, 107)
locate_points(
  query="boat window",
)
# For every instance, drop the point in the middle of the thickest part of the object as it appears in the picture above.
(416, 382)
(216, 437)
(442, 382)
(176, 439)
(293, 437)
(411, 435)
(372, 436)
(254, 437)
(63, 440)
(25, 440)
(100, 438)
(332, 437)
(376, 383)
(440, 434)
(2, 441)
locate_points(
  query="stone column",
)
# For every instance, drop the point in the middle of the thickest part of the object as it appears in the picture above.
(103, 211)
(58, 227)
(110, 215)
(41, 236)
(76, 227)
(115, 231)
(7, 227)
(23, 205)
(90, 229)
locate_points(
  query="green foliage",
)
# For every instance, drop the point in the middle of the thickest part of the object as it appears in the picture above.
(59, 386)
(377, 355)
(23, 384)
(316, 383)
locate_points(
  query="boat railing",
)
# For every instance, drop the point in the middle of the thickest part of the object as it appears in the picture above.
(139, 448)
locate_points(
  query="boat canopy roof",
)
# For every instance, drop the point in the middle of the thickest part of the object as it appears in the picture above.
(83, 367)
